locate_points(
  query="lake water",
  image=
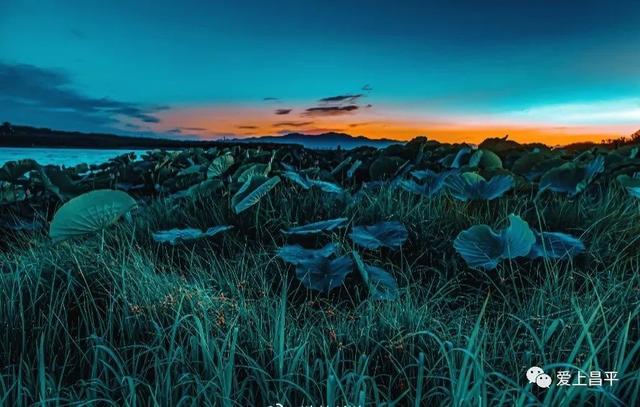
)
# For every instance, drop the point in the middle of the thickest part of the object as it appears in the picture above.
(61, 156)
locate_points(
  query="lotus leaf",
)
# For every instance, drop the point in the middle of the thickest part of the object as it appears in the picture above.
(297, 178)
(89, 213)
(317, 227)
(205, 187)
(571, 178)
(220, 165)
(356, 164)
(483, 248)
(555, 245)
(322, 274)
(326, 186)
(461, 157)
(174, 236)
(340, 166)
(485, 159)
(631, 184)
(433, 183)
(388, 234)
(471, 186)
(252, 191)
(12, 171)
(296, 254)
(381, 284)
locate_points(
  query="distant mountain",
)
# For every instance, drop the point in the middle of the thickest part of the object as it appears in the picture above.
(27, 136)
(322, 141)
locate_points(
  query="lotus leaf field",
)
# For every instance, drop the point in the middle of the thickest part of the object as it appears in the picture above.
(419, 274)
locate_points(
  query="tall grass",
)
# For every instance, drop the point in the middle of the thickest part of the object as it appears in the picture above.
(118, 320)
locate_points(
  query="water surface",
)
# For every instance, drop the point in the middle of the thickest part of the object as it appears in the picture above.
(61, 156)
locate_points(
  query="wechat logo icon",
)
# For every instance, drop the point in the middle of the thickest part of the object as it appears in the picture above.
(539, 377)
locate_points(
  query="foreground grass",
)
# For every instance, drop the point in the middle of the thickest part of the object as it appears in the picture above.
(117, 319)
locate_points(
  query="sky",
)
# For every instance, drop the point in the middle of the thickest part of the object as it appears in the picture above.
(549, 71)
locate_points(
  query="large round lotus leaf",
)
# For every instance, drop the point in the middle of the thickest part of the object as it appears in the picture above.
(384, 167)
(485, 159)
(89, 213)
(389, 234)
(252, 191)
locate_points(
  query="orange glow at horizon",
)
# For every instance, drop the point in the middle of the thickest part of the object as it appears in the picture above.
(254, 122)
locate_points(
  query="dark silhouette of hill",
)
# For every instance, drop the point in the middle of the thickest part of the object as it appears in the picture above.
(26, 136)
(323, 141)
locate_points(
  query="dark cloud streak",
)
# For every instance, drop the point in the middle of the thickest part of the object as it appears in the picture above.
(32, 89)
(330, 110)
(283, 111)
(341, 99)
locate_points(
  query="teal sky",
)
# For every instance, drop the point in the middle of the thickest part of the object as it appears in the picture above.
(420, 67)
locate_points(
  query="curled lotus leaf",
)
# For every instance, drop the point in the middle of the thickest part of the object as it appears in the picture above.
(556, 245)
(483, 248)
(485, 159)
(461, 158)
(431, 182)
